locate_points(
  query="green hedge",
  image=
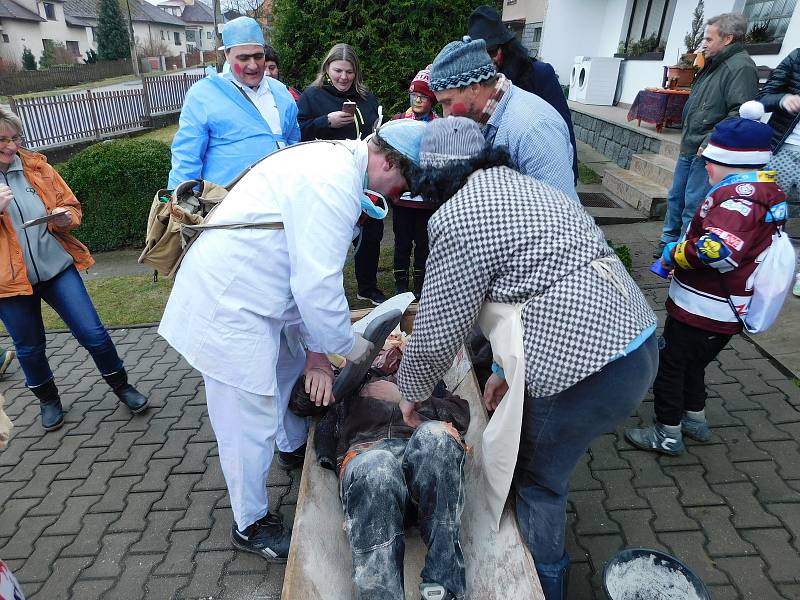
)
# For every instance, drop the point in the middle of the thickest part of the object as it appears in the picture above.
(394, 39)
(115, 183)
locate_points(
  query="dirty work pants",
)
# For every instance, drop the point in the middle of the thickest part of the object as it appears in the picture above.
(682, 360)
(556, 432)
(247, 426)
(689, 188)
(377, 488)
(22, 316)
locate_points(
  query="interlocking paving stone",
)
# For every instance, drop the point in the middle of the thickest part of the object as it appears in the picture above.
(212, 478)
(116, 495)
(177, 494)
(747, 512)
(67, 451)
(55, 500)
(733, 398)
(198, 515)
(56, 587)
(220, 536)
(165, 588)
(773, 545)
(194, 458)
(179, 558)
(70, 521)
(8, 489)
(694, 490)
(580, 586)
(752, 382)
(208, 574)
(93, 589)
(81, 467)
(718, 416)
(786, 455)
(38, 566)
(137, 507)
(24, 469)
(97, 481)
(689, 547)
(748, 575)
(646, 470)
(779, 409)
(790, 390)
(723, 538)
(619, 491)
(670, 515)
(157, 432)
(137, 461)
(155, 480)
(636, 528)
(135, 571)
(600, 549)
(156, 533)
(39, 485)
(790, 518)
(770, 487)
(604, 454)
(107, 562)
(739, 445)
(715, 459)
(21, 544)
(592, 518)
(88, 540)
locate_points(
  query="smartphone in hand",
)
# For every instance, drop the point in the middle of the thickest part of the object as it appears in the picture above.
(349, 107)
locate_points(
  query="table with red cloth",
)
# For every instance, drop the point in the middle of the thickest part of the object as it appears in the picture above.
(659, 106)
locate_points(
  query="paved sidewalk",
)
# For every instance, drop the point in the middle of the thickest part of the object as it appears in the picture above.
(120, 507)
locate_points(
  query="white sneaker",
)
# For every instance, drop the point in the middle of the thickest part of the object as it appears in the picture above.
(796, 288)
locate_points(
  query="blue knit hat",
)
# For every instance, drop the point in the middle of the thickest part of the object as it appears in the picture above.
(742, 143)
(461, 63)
(242, 31)
(404, 135)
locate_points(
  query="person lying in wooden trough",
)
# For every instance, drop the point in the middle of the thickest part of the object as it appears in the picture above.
(390, 474)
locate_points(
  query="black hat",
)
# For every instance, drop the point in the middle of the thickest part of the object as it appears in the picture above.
(485, 24)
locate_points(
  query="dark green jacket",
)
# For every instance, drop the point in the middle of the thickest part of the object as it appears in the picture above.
(728, 80)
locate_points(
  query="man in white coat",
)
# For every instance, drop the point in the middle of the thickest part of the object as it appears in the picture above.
(248, 303)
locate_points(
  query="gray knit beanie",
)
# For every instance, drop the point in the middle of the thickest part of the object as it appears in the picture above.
(461, 63)
(450, 140)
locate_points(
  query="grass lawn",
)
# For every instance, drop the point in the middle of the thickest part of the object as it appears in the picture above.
(135, 299)
(162, 134)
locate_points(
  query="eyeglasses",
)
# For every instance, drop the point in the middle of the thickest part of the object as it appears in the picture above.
(17, 139)
(419, 97)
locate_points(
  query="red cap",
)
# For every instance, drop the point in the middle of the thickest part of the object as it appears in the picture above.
(420, 84)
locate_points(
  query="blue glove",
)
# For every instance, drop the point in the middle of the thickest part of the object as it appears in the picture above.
(666, 255)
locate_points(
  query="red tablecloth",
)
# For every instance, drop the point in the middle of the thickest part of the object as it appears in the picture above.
(659, 107)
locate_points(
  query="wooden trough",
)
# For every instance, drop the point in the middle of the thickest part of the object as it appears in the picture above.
(498, 565)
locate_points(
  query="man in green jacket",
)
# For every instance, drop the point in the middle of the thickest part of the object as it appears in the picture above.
(728, 79)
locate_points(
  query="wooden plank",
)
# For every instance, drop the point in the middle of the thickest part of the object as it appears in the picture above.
(319, 567)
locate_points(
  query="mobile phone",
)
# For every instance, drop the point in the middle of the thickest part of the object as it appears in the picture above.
(349, 107)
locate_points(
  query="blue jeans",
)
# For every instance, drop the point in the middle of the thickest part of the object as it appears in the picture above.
(689, 187)
(379, 485)
(66, 294)
(556, 432)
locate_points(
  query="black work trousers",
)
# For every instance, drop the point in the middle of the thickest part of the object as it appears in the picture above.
(410, 227)
(684, 354)
(366, 258)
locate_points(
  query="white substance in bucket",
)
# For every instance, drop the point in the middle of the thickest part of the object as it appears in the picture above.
(644, 579)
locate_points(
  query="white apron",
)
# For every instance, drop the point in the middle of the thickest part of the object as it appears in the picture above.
(502, 326)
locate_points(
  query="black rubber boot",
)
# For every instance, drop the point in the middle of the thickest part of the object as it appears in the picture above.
(50, 405)
(128, 394)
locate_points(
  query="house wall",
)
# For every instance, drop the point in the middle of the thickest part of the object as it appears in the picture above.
(20, 34)
(144, 31)
(570, 30)
(532, 11)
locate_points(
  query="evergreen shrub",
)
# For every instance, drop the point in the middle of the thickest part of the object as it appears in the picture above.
(393, 40)
(115, 183)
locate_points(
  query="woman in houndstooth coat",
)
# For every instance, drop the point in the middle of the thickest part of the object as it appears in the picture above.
(588, 333)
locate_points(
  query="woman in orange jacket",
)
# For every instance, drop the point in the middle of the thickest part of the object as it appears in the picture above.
(40, 261)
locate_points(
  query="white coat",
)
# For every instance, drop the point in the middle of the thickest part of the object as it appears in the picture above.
(237, 291)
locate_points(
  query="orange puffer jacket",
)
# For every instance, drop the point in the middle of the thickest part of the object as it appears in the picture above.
(54, 192)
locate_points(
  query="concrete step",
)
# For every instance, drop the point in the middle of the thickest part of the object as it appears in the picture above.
(669, 149)
(655, 167)
(636, 191)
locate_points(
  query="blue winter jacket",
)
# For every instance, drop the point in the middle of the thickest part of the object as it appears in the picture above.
(221, 132)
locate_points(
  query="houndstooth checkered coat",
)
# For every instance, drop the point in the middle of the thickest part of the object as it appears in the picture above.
(505, 237)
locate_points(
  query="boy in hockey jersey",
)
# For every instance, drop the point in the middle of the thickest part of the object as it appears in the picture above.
(711, 282)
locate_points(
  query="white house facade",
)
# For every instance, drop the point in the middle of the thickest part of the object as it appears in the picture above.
(601, 28)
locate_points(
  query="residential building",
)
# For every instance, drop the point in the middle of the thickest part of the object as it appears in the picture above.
(571, 28)
(198, 19)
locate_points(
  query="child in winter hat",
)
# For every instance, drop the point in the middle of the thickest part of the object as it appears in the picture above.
(709, 295)
(421, 98)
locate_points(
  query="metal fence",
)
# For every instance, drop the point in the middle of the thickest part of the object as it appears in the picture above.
(54, 120)
(62, 76)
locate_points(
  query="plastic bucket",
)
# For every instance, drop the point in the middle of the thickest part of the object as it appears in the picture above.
(644, 574)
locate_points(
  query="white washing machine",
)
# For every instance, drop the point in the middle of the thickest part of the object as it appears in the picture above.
(573, 78)
(594, 80)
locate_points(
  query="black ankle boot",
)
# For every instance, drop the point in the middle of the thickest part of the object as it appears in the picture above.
(419, 277)
(401, 281)
(126, 392)
(50, 405)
